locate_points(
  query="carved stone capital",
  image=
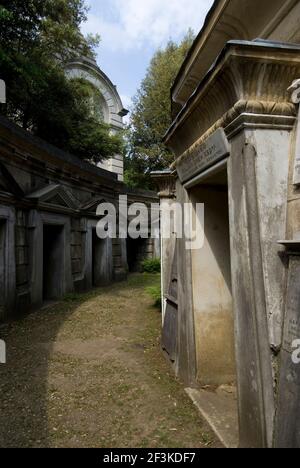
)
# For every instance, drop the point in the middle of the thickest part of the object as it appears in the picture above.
(294, 89)
(166, 183)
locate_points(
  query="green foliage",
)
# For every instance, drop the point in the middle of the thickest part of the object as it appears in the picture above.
(50, 26)
(36, 38)
(151, 115)
(155, 293)
(151, 265)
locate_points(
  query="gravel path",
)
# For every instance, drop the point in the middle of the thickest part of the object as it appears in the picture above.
(89, 372)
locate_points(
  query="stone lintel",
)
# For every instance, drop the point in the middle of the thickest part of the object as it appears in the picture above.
(292, 247)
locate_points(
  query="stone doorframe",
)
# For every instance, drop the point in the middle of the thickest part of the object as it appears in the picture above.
(88, 247)
(258, 275)
(7, 215)
(37, 220)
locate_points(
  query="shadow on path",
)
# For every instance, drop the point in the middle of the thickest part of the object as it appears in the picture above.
(89, 372)
(24, 379)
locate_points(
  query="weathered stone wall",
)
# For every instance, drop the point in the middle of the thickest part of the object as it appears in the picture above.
(42, 191)
(41, 186)
(246, 94)
(287, 428)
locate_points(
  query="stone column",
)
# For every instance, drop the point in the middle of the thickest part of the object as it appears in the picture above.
(167, 195)
(35, 226)
(257, 181)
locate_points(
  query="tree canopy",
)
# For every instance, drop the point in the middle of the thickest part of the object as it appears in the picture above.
(37, 37)
(151, 115)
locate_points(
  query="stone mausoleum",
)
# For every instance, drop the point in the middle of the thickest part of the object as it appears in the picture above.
(231, 313)
(107, 103)
(48, 203)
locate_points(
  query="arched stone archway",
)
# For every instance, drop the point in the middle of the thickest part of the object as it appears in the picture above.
(107, 102)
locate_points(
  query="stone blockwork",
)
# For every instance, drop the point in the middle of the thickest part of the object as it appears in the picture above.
(149, 246)
(48, 241)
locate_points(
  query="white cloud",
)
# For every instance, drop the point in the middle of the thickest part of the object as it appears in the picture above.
(126, 101)
(132, 24)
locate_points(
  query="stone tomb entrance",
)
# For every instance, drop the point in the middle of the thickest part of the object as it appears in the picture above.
(211, 269)
(53, 262)
(213, 310)
(137, 251)
(102, 260)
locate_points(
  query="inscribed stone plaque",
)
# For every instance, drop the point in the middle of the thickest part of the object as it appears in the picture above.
(203, 156)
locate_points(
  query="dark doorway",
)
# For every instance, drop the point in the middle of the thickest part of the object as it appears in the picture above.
(136, 253)
(102, 261)
(53, 262)
(2, 266)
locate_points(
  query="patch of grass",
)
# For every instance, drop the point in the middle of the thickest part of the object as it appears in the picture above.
(151, 265)
(207, 439)
(155, 293)
(71, 297)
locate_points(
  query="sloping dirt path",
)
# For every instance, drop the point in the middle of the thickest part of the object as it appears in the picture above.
(89, 372)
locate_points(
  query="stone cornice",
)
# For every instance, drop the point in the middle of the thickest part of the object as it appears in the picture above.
(248, 82)
(227, 20)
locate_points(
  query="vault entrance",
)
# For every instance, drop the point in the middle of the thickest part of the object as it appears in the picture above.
(213, 305)
(136, 253)
(212, 293)
(102, 262)
(53, 262)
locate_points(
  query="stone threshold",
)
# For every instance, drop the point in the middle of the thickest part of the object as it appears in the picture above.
(219, 409)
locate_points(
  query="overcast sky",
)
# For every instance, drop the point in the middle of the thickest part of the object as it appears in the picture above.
(131, 31)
